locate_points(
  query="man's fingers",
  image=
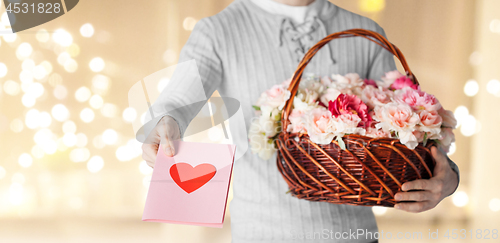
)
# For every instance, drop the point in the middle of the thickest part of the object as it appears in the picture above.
(414, 207)
(414, 196)
(421, 184)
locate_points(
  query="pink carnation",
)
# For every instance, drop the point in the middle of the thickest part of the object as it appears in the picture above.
(296, 122)
(389, 78)
(370, 82)
(350, 104)
(418, 100)
(403, 82)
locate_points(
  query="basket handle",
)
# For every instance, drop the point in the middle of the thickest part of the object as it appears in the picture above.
(367, 34)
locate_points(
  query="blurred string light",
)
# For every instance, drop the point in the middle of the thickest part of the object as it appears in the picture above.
(69, 127)
(16, 125)
(471, 88)
(189, 23)
(95, 164)
(467, 122)
(28, 101)
(100, 84)
(73, 50)
(109, 110)
(78, 155)
(460, 199)
(37, 151)
(60, 112)
(98, 142)
(495, 26)
(109, 136)
(371, 6)
(130, 151)
(31, 118)
(460, 113)
(25, 160)
(87, 30)
(96, 101)
(82, 94)
(469, 126)
(145, 169)
(3, 70)
(28, 64)
(129, 114)
(42, 35)
(23, 51)
(493, 87)
(69, 139)
(452, 150)
(60, 92)
(11, 87)
(377, 210)
(87, 115)
(70, 65)
(494, 204)
(9, 37)
(97, 64)
(44, 119)
(62, 37)
(81, 140)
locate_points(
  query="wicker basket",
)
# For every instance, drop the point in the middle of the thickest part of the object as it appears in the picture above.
(368, 173)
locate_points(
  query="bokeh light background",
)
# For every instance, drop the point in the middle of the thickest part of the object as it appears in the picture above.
(71, 171)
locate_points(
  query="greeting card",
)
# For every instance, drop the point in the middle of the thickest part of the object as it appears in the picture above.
(192, 186)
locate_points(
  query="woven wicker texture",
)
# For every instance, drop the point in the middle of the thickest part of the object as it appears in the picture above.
(368, 172)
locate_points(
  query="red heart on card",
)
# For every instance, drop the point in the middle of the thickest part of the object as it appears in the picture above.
(191, 179)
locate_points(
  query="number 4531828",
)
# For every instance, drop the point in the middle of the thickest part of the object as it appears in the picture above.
(33, 8)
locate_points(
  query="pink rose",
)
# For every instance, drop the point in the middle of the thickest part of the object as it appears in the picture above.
(350, 104)
(354, 79)
(396, 117)
(377, 133)
(296, 122)
(403, 82)
(389, 78)
(347, 123)
(274, 97)
(319, 125)
(373, 96)
(418, 100)
(448, 118)
(328, 95)
(430, 119)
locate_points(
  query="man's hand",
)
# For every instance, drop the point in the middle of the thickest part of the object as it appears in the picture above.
(165, 132)
(431, 191)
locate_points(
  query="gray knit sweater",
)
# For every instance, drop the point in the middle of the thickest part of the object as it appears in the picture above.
(243, 51)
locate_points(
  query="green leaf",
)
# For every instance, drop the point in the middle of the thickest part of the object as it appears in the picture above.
(425, 139)
(341, 142)
(256, 107)
(288, 191)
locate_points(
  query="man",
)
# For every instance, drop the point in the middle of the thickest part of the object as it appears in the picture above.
(242, 51)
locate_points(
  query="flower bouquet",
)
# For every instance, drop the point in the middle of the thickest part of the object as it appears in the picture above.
(347, 140)
(328, 108)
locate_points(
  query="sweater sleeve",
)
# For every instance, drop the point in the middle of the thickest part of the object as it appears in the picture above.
(197, 75)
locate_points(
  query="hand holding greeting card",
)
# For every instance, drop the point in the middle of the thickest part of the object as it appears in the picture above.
(191, 187)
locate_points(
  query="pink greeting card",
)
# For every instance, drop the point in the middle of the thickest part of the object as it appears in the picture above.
(191, 187)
